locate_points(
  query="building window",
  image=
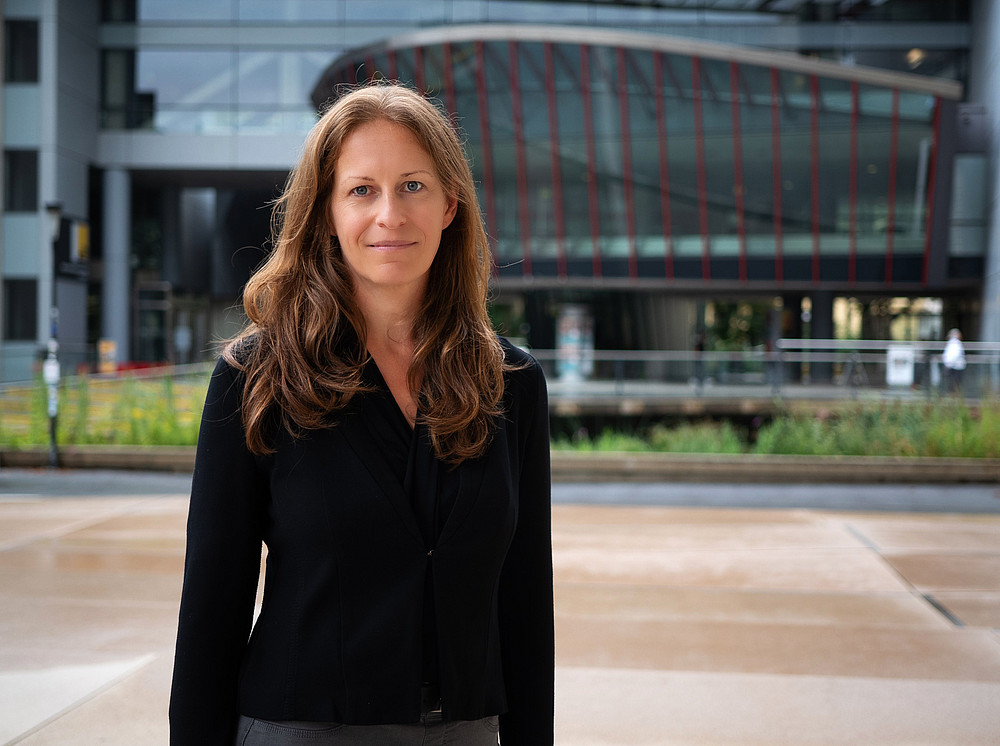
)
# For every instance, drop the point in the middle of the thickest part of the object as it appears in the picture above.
(20, 51)
(119, 109)
(187, 11)
(20, 172)
(118, 11)
(20, 310)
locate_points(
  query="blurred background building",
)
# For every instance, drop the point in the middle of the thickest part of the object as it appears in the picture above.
(652, 172)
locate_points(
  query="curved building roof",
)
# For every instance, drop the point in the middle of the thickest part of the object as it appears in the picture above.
(457, 33)
(636, 159)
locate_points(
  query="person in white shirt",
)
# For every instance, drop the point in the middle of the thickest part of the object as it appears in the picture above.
(954, 360)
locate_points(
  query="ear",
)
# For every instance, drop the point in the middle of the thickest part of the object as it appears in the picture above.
(450, 212)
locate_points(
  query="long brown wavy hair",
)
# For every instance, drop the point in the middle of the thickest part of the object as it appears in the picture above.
(304, 349)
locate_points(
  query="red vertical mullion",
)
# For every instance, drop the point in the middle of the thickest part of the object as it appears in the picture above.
(588, 135)
(699, 141)
(448, 73)
(626, 138)
(890, 236)
(484, 143)
(661, 141)
(393, 70)
(814, 170)
(557, 197)
(852, 258)
(776, 185)
(524, 217)
(370, 65)
(418, 69)
(741, 233)
(931, 178)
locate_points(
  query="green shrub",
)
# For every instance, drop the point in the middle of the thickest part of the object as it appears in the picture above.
(606, 441)
(942, 429)
(699, 437)
(127, 411)
(795, 436)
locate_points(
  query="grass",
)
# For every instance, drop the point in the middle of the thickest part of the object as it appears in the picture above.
(699, 437)
(606, 441)
(121, 411)
(167, 411)
(945, 428)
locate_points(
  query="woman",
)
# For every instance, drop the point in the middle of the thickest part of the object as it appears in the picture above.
(392, 454)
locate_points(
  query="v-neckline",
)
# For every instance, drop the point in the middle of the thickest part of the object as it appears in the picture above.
(384, 385)
(370, 448)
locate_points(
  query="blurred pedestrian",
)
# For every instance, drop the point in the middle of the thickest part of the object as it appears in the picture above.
(390, 451)
(953, 360)
(699, 361)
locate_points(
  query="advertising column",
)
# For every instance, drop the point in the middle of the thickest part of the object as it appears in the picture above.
(574, 343)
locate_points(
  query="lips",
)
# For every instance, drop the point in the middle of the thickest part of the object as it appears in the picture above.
(391, 245)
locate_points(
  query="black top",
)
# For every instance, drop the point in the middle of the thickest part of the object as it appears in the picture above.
(432, 487)
(340, 633)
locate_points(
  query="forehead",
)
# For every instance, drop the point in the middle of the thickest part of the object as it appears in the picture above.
(382, 146)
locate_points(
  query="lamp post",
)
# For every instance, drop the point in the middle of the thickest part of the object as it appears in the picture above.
(50, 368)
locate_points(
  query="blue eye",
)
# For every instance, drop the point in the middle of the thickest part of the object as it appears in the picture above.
(413, 186)
(360, 191)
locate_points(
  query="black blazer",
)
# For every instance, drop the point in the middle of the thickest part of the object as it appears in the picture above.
(339, 635)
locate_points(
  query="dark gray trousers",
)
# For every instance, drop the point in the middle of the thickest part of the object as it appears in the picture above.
(430, 731)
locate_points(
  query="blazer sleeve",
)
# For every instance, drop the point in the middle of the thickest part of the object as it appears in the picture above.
(221, 569)
(526, 599)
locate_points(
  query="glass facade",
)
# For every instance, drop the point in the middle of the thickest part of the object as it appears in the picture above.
(254, 86)
(532, 11)
(215, 90)
(608, 161)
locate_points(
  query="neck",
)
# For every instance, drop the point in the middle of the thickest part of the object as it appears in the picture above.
(389, 314)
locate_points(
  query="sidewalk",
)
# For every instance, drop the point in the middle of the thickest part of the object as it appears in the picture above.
(675, 625)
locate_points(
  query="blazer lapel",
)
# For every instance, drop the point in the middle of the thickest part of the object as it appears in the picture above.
(357, 431)
(470, 474)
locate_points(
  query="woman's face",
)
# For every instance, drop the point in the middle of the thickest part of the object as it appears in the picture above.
(388, 207)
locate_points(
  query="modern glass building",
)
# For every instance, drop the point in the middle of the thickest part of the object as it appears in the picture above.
(634, 159)
(642, 160)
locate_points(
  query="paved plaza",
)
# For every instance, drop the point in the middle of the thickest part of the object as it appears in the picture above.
(691, 619)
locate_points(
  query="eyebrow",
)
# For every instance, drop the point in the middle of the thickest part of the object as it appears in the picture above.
(402, 176)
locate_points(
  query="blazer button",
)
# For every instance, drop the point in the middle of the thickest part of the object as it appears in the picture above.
(430, 552)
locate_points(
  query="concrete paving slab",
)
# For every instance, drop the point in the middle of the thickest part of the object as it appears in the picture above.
(31, 698)
(954, 572)
(893, 610)
(131, 710)
(62, 558)
(956, 655)
(122, 588)
(48, 627)
(973, 609)
(777, 569)
(706, 538)
(33, 518)
(612, 514)
(608, 706)
(951, 533)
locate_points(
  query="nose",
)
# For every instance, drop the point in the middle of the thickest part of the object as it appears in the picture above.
(390, 211)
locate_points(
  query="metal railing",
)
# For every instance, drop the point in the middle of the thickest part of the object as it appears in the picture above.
(793, 368)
